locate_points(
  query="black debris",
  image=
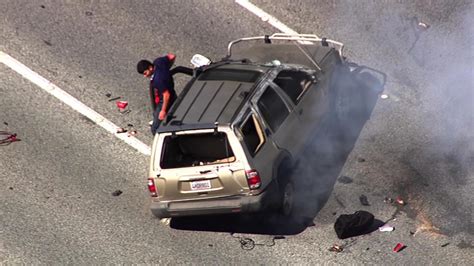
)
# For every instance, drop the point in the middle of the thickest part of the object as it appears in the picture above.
(334, 213)
(350, 225)
(388, 200)
(11, 188)
(80, 76)
(129, 125)
(344, 179)
(121, 130)
(42, 6)
(125, 112)
(445, 245)
(47, 43)
(88, 13)
(363, 200)
(108, 95)
(113, 99)
(117, 193)
(5, 123)
(211, 245)
(361, 160)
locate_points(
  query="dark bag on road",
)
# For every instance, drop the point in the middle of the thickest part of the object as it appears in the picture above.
(349, 225)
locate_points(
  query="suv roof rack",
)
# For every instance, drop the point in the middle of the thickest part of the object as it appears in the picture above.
(301, 38)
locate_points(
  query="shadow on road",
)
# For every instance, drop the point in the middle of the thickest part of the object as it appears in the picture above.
(316, 170)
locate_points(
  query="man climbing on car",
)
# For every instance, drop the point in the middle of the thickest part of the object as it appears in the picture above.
(161, 85)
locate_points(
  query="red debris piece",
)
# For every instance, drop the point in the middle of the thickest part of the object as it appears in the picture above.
(399, 247)
(122, 104)
(400, 201)
(7, 138)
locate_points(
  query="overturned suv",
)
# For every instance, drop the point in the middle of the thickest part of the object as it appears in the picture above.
(230, 140)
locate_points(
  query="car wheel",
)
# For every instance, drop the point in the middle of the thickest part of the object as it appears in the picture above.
(288, 199)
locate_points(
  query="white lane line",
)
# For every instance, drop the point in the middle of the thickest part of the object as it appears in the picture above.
(71, 101)
(265, 16)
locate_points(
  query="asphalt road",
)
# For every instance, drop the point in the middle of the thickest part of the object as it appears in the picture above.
(56, 184)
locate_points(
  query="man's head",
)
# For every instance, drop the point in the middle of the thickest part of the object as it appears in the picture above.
(145, 67)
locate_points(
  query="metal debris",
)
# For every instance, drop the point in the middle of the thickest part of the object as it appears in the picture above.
(388, 200)
(116, 193)
(113, 99)
(384, 96)
(423, 26)
(336, 248)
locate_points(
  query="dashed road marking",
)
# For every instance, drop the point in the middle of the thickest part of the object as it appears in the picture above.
(75, 104)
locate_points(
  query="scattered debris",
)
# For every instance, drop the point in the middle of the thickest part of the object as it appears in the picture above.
(165, 221)
(210, 245)
(108, 95)
(423, 26)
(47, 43)
(6, 138)
(10, 188)
(121, 130)
(132, 133)
(344, 179)
(412, 232)
(363, 200)
(361, 160)
(42, 6)
(129, 125)
(336, 248)
(386, 228)
(80, 76)
(113, 99)
(388, 200)
(445, 244)
(5, 123)
(122, 104)
(349, 225)
(400, 201)
(384, 96)
(117, 193)
(247, 243)
(399, 247)
(88, 13)
(334, 213)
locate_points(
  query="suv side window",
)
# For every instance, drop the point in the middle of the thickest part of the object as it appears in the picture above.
(272, 108)
(252, 134)
(293, 83)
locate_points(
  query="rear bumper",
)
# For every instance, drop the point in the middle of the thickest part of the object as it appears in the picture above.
(231, 204)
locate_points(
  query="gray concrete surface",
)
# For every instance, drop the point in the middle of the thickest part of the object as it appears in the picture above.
(56, 205)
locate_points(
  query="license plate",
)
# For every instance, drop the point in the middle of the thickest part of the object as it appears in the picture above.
(201, 185)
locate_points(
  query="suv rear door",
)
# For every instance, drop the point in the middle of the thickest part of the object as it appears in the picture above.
(199, 163)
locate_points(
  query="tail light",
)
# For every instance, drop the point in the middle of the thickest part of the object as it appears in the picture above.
(253, 179)
(152, 187)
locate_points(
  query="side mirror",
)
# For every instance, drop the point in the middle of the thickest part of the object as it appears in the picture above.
(200, 60)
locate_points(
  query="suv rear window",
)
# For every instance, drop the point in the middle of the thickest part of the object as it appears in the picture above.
(195, 149)
(231, 75)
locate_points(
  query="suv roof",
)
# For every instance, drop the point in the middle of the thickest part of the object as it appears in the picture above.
(216, 94)
(218, 91)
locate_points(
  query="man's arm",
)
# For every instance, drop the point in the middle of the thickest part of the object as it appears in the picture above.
(166, 102)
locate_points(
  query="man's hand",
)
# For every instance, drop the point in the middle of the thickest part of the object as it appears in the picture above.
(162, 115)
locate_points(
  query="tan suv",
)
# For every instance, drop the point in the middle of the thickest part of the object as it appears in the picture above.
(230, 140)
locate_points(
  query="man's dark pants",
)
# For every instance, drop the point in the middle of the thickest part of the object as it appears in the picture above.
(156, 118)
